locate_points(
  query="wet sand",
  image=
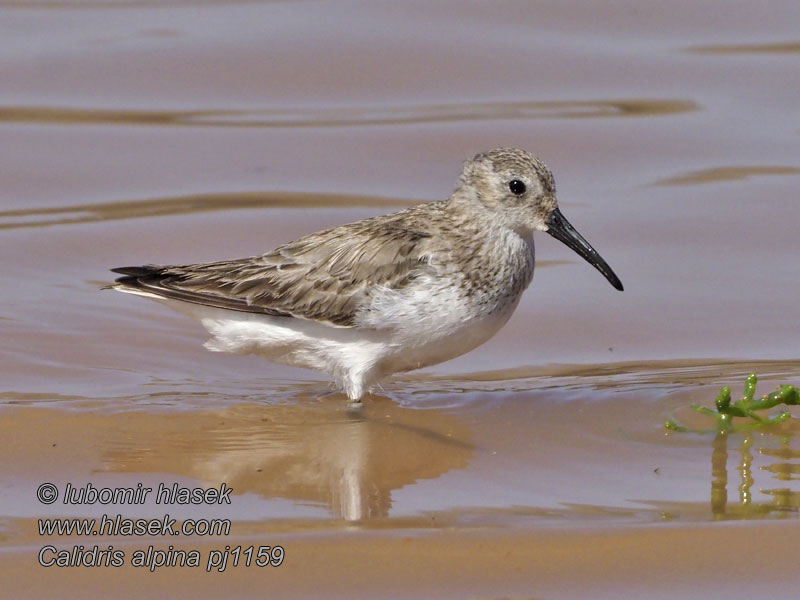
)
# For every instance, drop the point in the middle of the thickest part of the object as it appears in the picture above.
(536, 466)
(470, 490)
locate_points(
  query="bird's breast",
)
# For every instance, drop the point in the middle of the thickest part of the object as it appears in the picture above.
(468, 297)
(498, 271)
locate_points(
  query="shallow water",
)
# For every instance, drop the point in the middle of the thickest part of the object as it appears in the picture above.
(536, 466)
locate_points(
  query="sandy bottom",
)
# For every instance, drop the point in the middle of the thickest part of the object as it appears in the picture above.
(556, 482)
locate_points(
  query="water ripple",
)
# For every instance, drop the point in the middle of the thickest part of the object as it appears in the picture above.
(726, 174)
(772, 48)
(349, 116)
(196, 203)
(119, 4)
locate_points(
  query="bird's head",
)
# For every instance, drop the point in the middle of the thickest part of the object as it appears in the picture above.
(519, 192)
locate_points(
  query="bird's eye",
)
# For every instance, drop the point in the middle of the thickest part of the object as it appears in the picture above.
(517, 187)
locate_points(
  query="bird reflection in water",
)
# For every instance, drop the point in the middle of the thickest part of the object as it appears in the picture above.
(308, 452)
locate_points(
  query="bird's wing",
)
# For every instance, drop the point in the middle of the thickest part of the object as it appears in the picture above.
(326, 276)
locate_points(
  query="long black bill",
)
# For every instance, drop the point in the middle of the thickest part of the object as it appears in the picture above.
(560, 228)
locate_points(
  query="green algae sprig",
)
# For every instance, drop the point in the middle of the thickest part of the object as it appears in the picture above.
(745, 408)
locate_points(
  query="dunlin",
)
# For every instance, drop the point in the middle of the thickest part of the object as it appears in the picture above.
(384, 295)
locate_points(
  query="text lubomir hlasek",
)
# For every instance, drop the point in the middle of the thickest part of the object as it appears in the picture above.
(174, 494)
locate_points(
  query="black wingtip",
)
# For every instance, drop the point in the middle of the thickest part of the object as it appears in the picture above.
(134, 277)
(138, 271)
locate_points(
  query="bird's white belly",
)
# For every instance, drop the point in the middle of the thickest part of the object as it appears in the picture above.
(433, 323)
(430, 349)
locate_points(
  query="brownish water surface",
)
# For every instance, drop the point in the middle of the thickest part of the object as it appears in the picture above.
(534, 467)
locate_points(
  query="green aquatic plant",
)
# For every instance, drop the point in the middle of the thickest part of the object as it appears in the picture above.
(745, 407)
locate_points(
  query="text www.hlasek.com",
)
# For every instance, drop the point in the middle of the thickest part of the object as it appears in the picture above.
(150, 557)
(118, 525)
